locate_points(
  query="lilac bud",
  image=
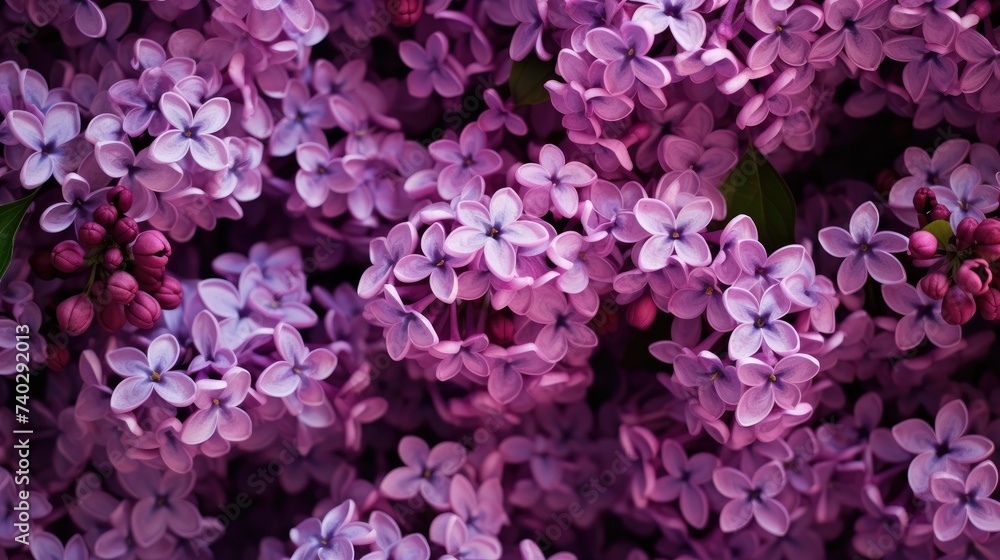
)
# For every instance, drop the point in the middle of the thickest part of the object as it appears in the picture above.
(125, 230)
(923, 244)
(112, 317)
(924, 200)
(964, 235)
(940, 212)
(980, 9)
(935, 284)
(122, 287)
(113, 258)
(987, 238)
(149, 279)
(75, 314)
(92, 234)
(974, 276)
(106, 215)
(143, 311)
(170, 293)
(151, 250)
(989, 304)
(121, 198)
(641, 313)
(67, 256)
(958, 306)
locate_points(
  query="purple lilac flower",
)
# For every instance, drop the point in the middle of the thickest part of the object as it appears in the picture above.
(865, 250)
(148, 373)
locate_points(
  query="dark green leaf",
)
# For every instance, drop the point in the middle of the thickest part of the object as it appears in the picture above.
(941, 230)
(756, 189)
(527, 80)
(11, 215)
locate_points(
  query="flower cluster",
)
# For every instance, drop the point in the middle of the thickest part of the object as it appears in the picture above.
(499, 280)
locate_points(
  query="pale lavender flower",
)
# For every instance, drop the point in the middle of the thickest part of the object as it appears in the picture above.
(759, 322)
(464, 160)
(299, 371)
(865, 250)
(193, 132)
(968, 196)
(966, 501)
(48, 142)
(672, 233)
(334, 537)
(406, 327)
(921, 317)
(752, 498)
(433, 68)
(685, 24)
(434, 263)
(149, 372)
(427, 471)
(552, 182)
(218, 409)
(770, 385)
(625, 53)
(78, 208)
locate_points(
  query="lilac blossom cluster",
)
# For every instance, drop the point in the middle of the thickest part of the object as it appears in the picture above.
(501, 279)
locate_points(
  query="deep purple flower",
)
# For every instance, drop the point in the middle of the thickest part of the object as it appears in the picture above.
(427, 471)
(921, 317)
(465, 159)
(434, 263)
(853, 25)
(752, 498)
(434, 69)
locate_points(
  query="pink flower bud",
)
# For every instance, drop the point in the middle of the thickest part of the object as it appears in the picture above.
(92, 234)
(935, 284)
(958, 306)
(67, 256)
(989, 304)
(964, 235)
(974, 276)
(143, 312)
(149, 279)
(641, 313)
(113, 258)
(170, 293)
(106, 215)
(980, 9)
(125, 230)
(923, 244)
(501, 330)
(112, 317)
(405, 13)
(987, 238)
(121, 198)
(75, 314)
(940, 212)
(122, 287)
(924, 200)
(151, 250)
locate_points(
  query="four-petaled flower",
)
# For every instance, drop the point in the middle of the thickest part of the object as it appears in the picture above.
(299, 371)
(193, 132)
(865, 250)
(965, 501)
(146, 373)
(427, 471)
(759, 322)
(496, 232)
(770, 385)
(752, 498)
(673, 233)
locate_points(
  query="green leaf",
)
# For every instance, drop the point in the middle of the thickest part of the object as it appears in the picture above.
(756, 189)
(11, 215)
(527, 80)
(941, 230)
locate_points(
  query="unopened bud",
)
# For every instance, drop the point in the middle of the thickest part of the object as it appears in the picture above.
(958, 306)
(989, 304)
(151, 249)
(965, 234)
(92, 234)
(75, 314)
(125, 230)
(987, 238)
(121, 198)
(641, 313)
(122, 287)
(112, 317)
(144, 311)
(923, 245)
(67, 256)
(113, 258)
(170, 293)
(974, 276)
(106, 215)
(935, 285)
